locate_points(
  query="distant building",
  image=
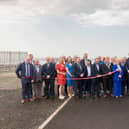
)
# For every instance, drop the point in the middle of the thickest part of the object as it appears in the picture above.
(12, 57)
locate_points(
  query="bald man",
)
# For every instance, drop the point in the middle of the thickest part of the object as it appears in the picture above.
(49, 72)
(25, 72)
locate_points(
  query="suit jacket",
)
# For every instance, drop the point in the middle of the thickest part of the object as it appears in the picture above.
(38, 75)
(86, 71)
(127, 65)
(125, 74)
(76, 71)
(21, 71)
(82, 62)
(95, 71)
(105, 69)
(49, 70)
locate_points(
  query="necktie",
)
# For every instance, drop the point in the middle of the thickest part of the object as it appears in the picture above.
(97, 67)
(80, 67)
(28, 70)
(48, 65)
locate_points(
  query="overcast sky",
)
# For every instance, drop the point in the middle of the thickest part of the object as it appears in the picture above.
(65, 27)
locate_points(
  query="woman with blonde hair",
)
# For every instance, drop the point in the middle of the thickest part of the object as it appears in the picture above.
(117, 78)
(69, 76)
(61, 76)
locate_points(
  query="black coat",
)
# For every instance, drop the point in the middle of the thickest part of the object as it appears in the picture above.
(95, 71)
(76, 71)
(127, 65)
(49, 70)
(105, 69)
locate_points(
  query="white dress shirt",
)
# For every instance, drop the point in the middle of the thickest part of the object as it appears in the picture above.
(89, 71)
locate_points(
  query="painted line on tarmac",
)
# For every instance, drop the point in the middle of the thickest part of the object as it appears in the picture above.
(1, 96)
(49, 119)
(5, 96)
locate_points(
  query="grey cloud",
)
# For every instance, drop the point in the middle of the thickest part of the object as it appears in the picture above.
(93, 10)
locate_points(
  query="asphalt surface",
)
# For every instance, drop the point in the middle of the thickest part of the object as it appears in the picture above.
(31, 115)
(87, 113)
(100, 113)
(13, 114)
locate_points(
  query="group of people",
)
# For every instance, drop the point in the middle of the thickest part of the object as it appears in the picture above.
(73, 77)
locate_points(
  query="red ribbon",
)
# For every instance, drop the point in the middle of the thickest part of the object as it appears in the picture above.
(98, 76)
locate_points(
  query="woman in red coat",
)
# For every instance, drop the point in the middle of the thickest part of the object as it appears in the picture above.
(61, 78)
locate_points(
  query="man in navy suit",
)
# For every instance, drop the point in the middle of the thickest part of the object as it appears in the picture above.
(96, 82)
(127, 71)
(124, 79)
(84, 65)
(106, 67)
(25, 72)
(88, 73)
(49, 73)
(84, 60)
(78, 72)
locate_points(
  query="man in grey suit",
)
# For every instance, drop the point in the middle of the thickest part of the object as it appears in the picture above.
(37, 84)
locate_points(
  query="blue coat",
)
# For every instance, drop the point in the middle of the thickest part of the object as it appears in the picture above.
(116, 74)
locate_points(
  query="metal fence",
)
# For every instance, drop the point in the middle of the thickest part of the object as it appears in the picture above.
(9, 60)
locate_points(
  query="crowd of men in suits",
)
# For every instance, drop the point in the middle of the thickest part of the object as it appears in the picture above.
(35, 76)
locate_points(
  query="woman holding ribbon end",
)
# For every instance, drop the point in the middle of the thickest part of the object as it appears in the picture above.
(117, 78)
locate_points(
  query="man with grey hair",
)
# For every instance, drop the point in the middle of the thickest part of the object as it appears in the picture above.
(37, 83)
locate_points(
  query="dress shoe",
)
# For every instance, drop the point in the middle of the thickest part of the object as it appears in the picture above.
(47, 97)
(22, 101)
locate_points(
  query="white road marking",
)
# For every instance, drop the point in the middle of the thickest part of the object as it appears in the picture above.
(1, 96)
(45, 123)
(5, 95)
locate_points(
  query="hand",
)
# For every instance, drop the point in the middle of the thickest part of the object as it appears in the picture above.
(32, 81)
(64, 73)
(48, 76)
(120, 76)
(110, 73)
(118, 70)
(128, 71)
(81, 75)
(98, 76)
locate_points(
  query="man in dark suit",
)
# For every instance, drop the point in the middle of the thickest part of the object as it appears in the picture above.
(74, 83)
(88, 73)
(106, 67)
(96, 82)
(49, 73)
(84, 60)
(25, 72)
(83, 64)
(78, 72)
(53, 75)
(124, 77)
(127, 73)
